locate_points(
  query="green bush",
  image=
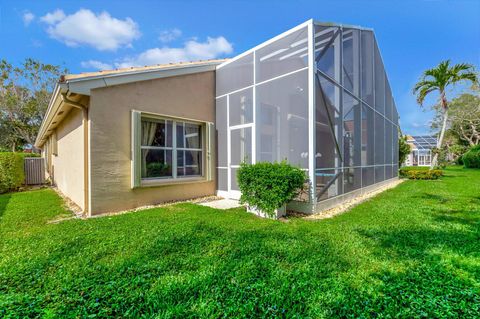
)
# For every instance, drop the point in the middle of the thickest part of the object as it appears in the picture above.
(420, 173)
(268, 186)
(471, 159)
(459, 160)
(23, 155)
(157, 169)
(11, 171)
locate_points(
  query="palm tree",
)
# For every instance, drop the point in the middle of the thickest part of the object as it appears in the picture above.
(438, 79)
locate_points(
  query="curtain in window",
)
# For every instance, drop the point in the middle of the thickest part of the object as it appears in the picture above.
(148, 134)
(192, 132)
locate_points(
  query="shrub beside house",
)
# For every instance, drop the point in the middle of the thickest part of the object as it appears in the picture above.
(11, 171)
(471, 159)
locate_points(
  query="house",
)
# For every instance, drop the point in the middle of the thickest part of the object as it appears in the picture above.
(316, 95)
(421, 150)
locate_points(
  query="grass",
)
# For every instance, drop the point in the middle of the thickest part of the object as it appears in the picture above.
(412, 251)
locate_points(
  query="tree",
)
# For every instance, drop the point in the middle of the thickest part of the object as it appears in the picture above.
(403, 149)
(465, 118)
(463, 127)
(25, 91)
(438, 79)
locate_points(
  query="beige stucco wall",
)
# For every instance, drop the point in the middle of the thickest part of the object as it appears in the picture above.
(188, 96)
(68, 165)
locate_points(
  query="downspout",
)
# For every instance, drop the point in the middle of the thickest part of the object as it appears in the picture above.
(84, 109)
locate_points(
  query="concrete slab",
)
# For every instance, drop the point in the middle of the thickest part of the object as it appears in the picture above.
(222, 204)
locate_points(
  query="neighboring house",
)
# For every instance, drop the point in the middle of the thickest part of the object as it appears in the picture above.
(316, 95)
(421, 150)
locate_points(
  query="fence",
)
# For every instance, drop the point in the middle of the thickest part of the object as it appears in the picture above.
(34, 170)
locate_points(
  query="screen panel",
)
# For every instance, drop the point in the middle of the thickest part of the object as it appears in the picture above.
(367, 79)
(351, 131)
(235, 75)
(241, 107)
(352, 179)
(327, 51)
(379, 82)
(388, 143)
(368, 176)
(282, 56)
(379, 139)
(379, 174)
(282, 119)
(351, 60)
(368, 141)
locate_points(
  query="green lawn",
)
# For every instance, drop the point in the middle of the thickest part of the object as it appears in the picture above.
(413, 251)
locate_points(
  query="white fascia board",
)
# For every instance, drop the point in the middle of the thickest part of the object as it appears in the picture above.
(53, 106)
(332, 24)
(85, 85)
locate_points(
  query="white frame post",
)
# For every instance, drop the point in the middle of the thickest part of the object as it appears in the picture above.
(311, 114)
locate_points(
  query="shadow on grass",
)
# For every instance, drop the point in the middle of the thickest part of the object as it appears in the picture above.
(475, 200)
(433, 197)
(466, 217)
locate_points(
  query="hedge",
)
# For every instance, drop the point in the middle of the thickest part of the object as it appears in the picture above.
(420, 173)
(471, 159)
(11, 171)
(269, 186)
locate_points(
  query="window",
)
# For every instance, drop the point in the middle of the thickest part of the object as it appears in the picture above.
(168, 149)
(165, 155)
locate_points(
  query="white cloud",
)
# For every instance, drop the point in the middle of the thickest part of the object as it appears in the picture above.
(169, 35)
(27, 18)
(36, 43)
(101, 31)
(53, 17)
(192, 50)
(97, 65)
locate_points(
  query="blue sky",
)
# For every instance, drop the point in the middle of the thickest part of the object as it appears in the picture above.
(412, 35)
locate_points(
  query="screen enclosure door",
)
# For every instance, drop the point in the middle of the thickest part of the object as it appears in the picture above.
(240, 150)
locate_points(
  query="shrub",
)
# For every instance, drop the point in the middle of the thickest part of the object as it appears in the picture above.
(157, 169)
(268, 186)
(24, 155)
(11, 171)
(471, 159)
(403, 149)
(459, 160)
(421, 173)
(441, 153)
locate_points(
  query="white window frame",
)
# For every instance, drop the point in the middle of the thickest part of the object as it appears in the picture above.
(206, 151)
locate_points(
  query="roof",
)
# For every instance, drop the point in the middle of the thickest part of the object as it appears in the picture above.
(81, 85)
(124, 71)
(424, 142)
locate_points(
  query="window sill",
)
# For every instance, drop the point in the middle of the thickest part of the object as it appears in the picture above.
(168, 182)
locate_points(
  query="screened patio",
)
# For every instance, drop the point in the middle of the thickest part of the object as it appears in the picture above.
(316, 96)
(422, 154)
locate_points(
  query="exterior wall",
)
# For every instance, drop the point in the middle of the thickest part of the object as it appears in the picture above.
(187, 96)
(67, 166)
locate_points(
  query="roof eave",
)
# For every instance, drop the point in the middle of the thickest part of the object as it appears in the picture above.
(52, 109)
(85, 85)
